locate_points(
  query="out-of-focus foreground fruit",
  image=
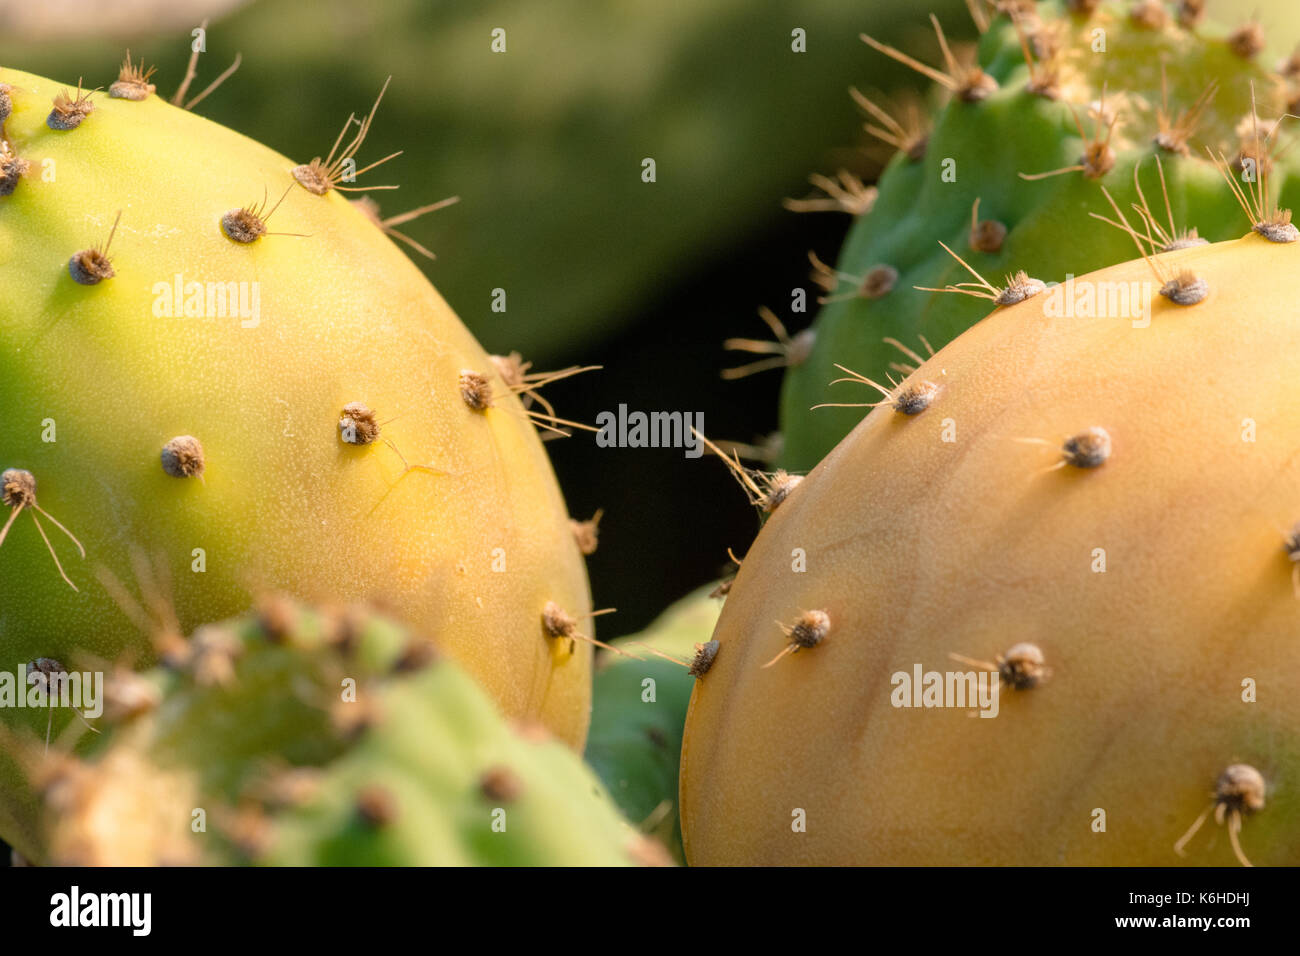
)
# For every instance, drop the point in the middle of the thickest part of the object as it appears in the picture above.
(304, 738)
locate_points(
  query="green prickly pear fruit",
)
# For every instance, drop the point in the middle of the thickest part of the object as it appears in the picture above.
(298, 737)
(203, 359)
(1061, 103)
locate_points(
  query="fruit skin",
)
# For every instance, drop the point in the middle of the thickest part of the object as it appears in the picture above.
(284, 503)
(635, 744)
(1014, 131)
(254, 731)
(918, 548)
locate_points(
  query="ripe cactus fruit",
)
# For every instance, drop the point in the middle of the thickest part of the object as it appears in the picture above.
(1082, 100)
(233, 352)
(1138, 606)
(254, 727)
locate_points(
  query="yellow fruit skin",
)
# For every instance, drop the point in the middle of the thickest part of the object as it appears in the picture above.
(917, 547)
(284, 503)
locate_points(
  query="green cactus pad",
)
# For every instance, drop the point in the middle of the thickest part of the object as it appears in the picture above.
(979, 151)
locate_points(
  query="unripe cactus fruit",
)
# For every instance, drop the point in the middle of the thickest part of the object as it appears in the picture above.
(1133, 593)
(232, 350)
(1083, 100)
(306, 738)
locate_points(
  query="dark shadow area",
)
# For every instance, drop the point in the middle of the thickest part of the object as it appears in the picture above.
(669, 519)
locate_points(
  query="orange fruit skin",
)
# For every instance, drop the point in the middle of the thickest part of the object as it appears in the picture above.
(919, 547)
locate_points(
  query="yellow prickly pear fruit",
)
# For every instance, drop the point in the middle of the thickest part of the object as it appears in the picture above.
(209, 357)
(1092, 519)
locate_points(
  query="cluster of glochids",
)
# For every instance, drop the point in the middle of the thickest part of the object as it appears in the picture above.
(410, 764)
(698, 665)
